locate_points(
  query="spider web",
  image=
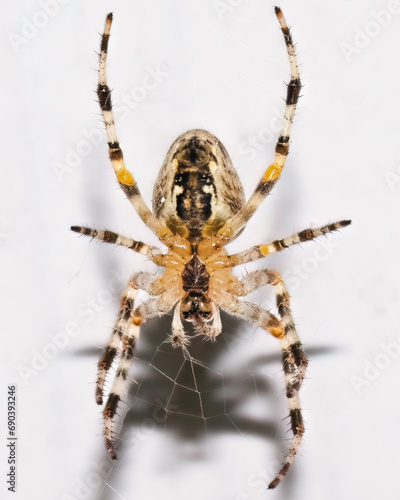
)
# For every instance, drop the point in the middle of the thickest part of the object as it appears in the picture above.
(199, 412)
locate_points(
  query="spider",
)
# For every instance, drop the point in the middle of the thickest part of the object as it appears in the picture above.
(199, 207)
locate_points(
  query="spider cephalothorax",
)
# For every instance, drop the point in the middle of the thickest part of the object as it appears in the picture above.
(198, 208)
(196, 306)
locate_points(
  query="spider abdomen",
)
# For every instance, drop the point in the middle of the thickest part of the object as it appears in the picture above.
(197, 189)
(194, 203)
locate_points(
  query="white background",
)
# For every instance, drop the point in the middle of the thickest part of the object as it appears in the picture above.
(226, 73)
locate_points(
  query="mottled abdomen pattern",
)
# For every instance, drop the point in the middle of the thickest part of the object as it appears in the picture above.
(197, 189)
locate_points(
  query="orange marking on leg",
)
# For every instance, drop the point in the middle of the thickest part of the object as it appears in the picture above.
(137, 320)
(125, 177)
(278, 332)
(272, 173)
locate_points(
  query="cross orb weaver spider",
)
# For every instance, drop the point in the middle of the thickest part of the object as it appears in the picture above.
(199, 207)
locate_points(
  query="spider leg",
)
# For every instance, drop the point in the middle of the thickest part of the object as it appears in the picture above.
(294, 365)
(293, 359)
(272, 174)
(124, 177)
(178, 337)
(116, 239)
(253, 314)
(215, 327)
(138, 281)
(128, 344)
(153, 307)
(260, 251)
(257, 279)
